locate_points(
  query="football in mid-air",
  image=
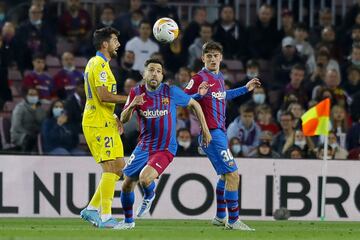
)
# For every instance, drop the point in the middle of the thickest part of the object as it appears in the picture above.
(165, 30)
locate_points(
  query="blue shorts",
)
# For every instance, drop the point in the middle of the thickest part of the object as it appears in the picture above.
(219, 153)
(159, 160)
(136, 162)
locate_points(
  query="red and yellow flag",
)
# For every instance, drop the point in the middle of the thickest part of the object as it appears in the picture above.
(316, 121)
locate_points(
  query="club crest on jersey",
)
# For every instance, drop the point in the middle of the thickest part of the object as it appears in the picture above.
(165, 101)
(219, 95)
(154, 113)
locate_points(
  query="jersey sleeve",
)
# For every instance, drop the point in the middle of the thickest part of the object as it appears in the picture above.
(180, 98)
(100, 74)
(130, 98)
(193, 85)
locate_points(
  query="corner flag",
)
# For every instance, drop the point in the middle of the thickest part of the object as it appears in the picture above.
(316, 120)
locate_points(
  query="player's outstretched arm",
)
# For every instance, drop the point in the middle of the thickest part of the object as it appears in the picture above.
(233, 93)
(106, 96)
(127, 112)
(200, 115)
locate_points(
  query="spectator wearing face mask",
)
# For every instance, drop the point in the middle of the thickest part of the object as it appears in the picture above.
(235, 147)
(252, 70)
(65, 80)
(186, 147)
(338, 151)
(246, 129)
(306, 145)
(26, 120)
(264, 150)
(33, 36)
(258, 96)
(59, 136)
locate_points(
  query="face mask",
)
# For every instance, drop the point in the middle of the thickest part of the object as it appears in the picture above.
(184, 144)
(128, 65)
(135, 23)
(251, 75)
(259, 98)
(57, 111)
(300, 144)
(334, 145)
(36, 22)
(32, 99)
(107, 23)
(356, 63)
(70, 68)
(236, 149)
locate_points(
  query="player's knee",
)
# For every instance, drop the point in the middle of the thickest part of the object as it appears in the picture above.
(232, 178)
(145, 180)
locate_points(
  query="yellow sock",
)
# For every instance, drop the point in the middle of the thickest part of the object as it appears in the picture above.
(107, 188)
(95, 200)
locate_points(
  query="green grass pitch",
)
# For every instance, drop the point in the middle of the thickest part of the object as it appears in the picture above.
(54, 228)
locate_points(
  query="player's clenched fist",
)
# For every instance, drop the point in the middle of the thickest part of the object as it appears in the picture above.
(253, 83)
(138, 100)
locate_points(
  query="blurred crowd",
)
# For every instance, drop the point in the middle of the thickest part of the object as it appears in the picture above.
(43, 52)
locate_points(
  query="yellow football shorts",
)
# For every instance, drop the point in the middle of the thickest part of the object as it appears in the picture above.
(104, 142)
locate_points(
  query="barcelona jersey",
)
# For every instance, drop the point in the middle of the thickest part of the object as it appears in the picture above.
(157, 116)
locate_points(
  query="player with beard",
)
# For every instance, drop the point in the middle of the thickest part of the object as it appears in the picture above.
(101, 127)
(155, 104)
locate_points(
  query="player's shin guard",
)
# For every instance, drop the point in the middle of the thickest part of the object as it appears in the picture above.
(220, 199)
(107, 188)
(127, 202)
(149, 190)
(231, 199)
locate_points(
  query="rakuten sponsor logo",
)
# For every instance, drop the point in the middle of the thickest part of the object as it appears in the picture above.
(154, 113)
(219, 95)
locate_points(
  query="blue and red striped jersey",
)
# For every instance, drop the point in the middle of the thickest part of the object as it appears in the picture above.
(157, 116)
(213, 103)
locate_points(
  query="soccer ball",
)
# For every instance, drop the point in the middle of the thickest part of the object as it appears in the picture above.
(165, 30)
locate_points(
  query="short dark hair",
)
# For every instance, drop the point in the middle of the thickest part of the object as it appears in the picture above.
(154, 60)
(301, 27)
(206, 24)
(212, 46)
(38, 55)
(145, 21)
(252, 63)
(287, 113)
(108, 6)
(298, 66)
(247, 108)
(102, 35)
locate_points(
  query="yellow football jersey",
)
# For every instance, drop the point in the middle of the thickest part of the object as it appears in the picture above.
(98, 73)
